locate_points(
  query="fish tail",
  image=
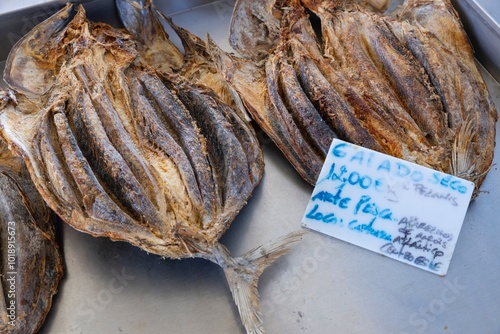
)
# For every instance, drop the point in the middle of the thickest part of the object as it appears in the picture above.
(243, 272)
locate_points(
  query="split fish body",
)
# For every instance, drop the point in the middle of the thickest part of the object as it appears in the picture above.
(125, 142)
(31, 260)
(393, 82)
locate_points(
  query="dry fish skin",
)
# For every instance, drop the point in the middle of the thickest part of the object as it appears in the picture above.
(250, 82)
(153, 41)
(378, 6)
(393, 82)
(302, 109)
(195, 64)
(120, 149)
(255, 26)
(97, 144)
(280, 115)
(31, 72)
(199, 67)
(31, 262)
(467, 103)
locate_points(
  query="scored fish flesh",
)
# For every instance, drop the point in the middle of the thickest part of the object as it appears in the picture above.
(143, 20)
(403, 83)
(121, 145)
(31, 262)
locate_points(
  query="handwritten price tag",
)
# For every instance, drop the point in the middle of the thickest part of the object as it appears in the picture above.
(390, 206)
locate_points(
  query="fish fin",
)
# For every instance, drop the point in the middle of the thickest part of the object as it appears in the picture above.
(464, 162)
(243, 272)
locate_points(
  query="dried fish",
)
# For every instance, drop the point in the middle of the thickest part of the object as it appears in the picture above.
(120, 144)
(196, 64)
(31, 262)
(154, 43)
(255, 26)
(392, 82)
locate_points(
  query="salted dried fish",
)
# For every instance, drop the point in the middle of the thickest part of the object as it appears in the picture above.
(470, 114)
(195, 63)
(255, 26)
(31, 262)
(154, 43)
(403, 83)
(121, 146)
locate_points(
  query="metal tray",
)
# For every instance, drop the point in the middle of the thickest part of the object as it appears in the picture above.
(481, 18)
(322, 286)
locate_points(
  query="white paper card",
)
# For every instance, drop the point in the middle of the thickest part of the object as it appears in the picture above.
(390, 206)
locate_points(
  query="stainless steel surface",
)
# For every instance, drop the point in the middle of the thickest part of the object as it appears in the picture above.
(481, 19)
(322, 286)
(491, 7)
